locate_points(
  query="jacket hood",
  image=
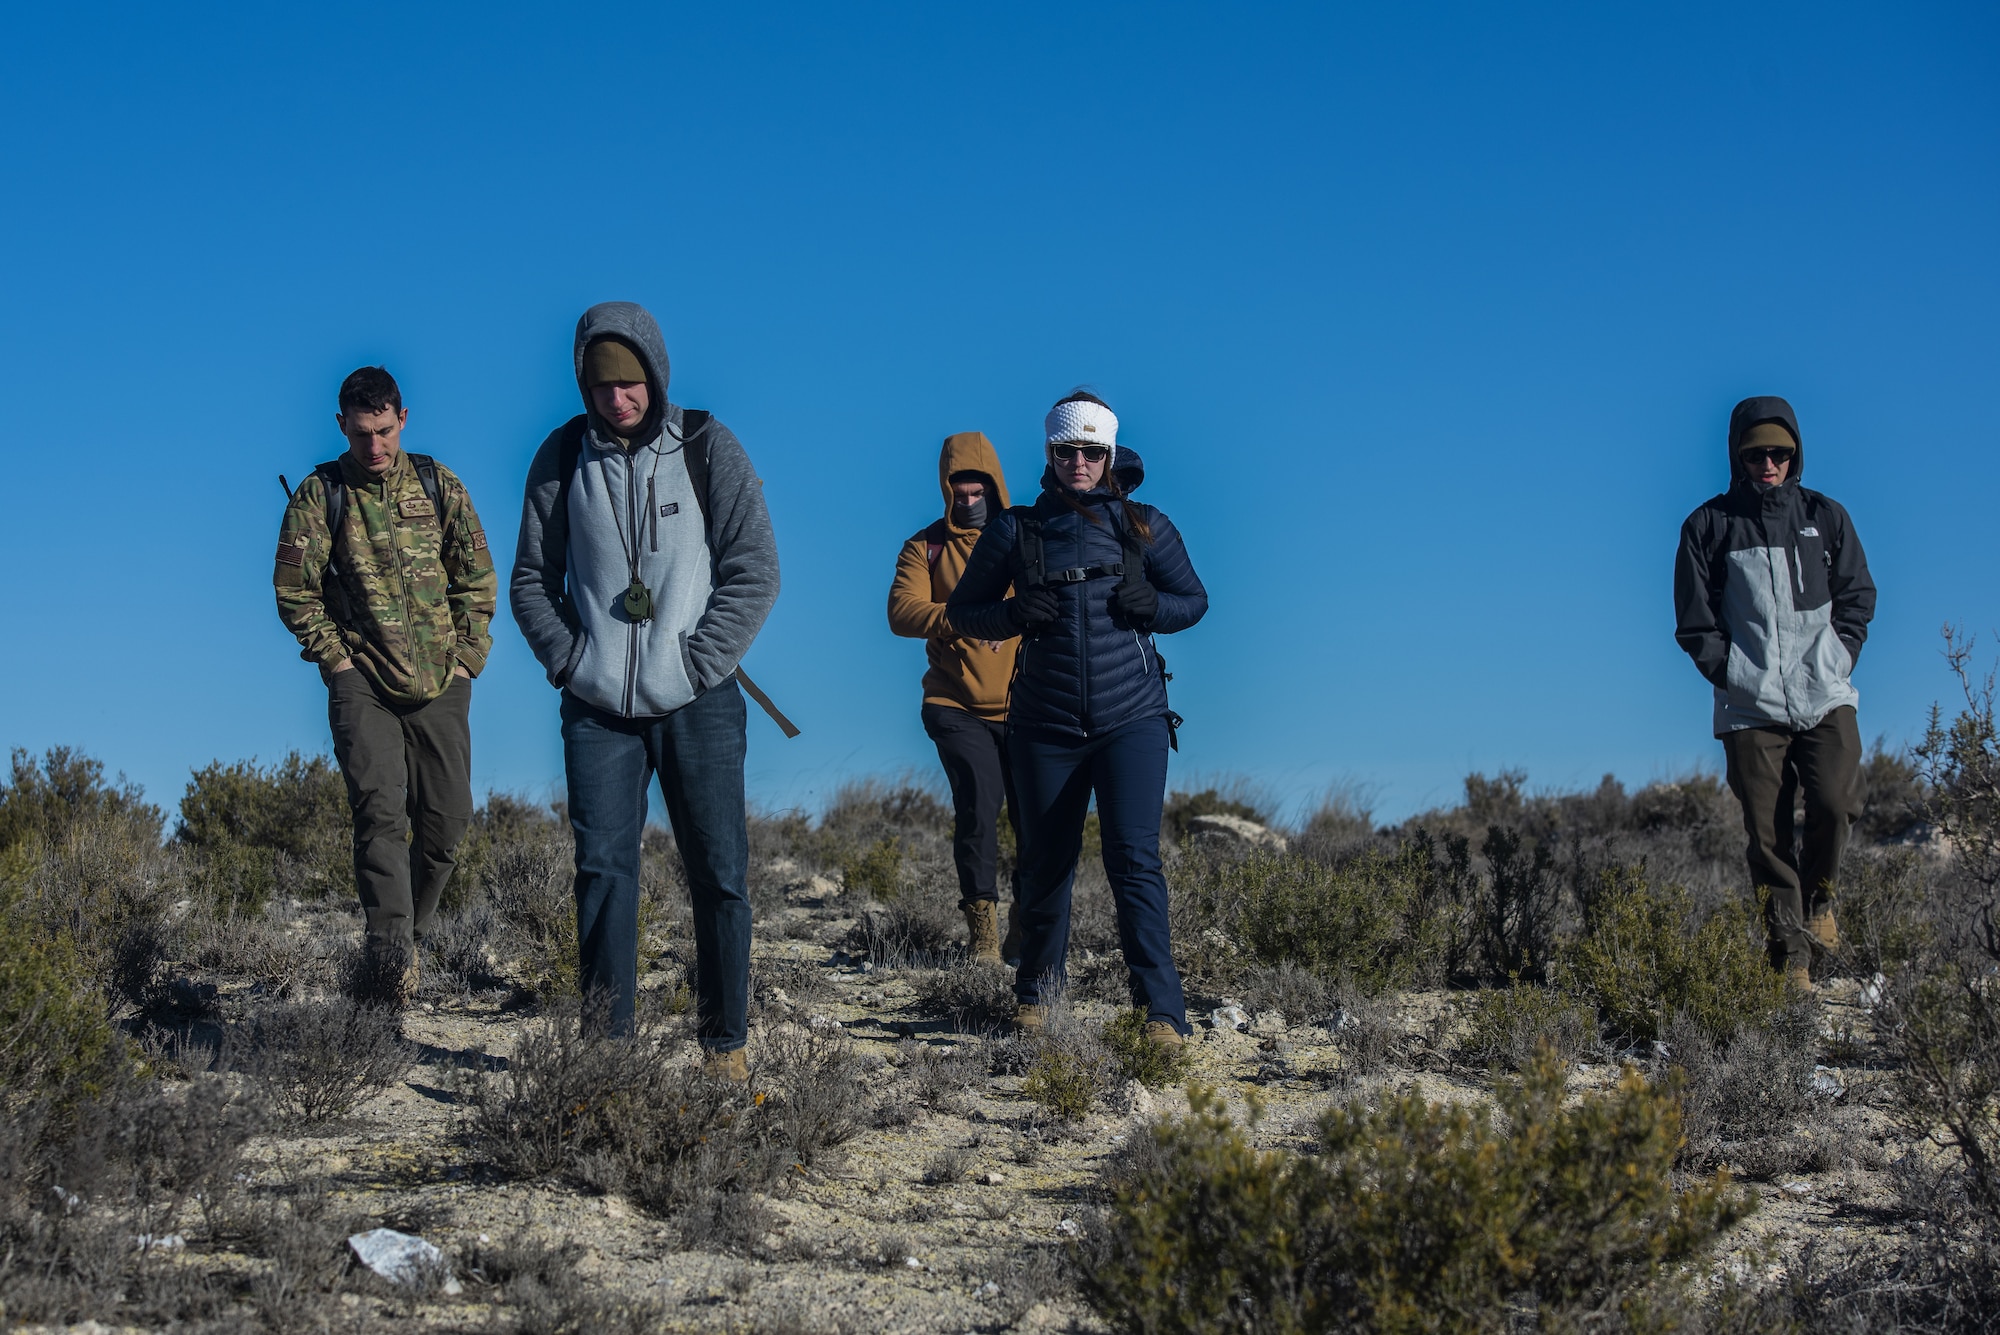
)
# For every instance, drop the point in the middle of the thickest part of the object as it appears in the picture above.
(629, 321)
(1130, 470)
(970, 452)
(1754, 412)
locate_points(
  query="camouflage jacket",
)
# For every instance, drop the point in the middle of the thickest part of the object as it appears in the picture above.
(417, 589)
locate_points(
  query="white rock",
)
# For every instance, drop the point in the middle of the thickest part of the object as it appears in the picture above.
(778, 998)
(1134, 1100)
(400, 1258)
(823, 1022)
(1069, 1228)
(1238, 829)
(1797, 1189)
(1269, 1022)
(992, 1179)
(1827, 1081)
(989, 1290)
(913, 1263)
(1872, 992)
(824, 887)
(1229, 1017)
(147, 1242)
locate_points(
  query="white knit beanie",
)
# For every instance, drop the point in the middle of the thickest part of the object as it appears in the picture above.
(1082, 422)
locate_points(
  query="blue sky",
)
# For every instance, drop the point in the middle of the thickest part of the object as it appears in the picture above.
(1427, 319)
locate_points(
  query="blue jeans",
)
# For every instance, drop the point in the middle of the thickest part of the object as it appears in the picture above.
(698, 753)
(1054, 778)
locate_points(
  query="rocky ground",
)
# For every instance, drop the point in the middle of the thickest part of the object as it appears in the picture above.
(946, 1218)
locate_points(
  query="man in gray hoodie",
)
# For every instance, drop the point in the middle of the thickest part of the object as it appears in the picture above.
(646, 566)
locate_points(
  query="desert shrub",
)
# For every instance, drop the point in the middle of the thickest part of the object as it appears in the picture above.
(1414, 1216)
(938, 1077)
(635, 1116)
(1062, 1083)
(1642, 957)
(542, 1291)
(55, 1034)
(458, 952)
(1751, 1105)
(1366, 924)
(1893, 802)
(1510, 1026)
(1523, 898)
(1180, 808)
(319, 1060)
(1148, 1063)
(1887, 908)
(876, 870)
(914, 931)
(45, 800)
(977, 999)
(252, 829)
(1367, 1034)
(1291, 990)
(1340, 826)
(530, 880)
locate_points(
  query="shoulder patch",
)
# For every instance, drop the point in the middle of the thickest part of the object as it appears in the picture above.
(479, 541)
(416, 507)
(288, 555)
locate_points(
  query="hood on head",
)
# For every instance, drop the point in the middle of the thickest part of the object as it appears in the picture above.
(629, 322)
(971, 452)
(1756, 411)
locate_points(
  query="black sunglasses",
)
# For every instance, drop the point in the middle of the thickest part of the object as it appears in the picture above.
(1092, 454)
(1769, 454)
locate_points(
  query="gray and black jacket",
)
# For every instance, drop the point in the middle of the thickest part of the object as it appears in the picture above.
(1772, 596)
(635, 506)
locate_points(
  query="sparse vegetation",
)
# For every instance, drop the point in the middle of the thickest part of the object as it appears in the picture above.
(1138, 1059)
(319, 1060)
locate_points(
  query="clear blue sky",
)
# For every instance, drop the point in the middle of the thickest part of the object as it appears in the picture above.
(1427, 318)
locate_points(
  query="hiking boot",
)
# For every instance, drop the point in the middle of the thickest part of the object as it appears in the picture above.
(982, 927)
(406, 986)
(1010, 947)
(1029, 1021)
(1165, 1037)
(731, 1066)
(1798, 977)
(1823, 930)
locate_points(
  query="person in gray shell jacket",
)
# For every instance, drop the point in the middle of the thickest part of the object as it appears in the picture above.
(1772, 600)
(645, 568)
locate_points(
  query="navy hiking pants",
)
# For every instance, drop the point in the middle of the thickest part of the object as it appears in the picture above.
(1054, 778)
(697, 751)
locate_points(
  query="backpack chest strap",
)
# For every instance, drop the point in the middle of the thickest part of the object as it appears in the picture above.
(1078, 574)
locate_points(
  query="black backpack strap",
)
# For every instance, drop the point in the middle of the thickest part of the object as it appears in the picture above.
(427, 474)
(1135, 551)
(694, 442)
(1030, 567)
(335, 487)
(569, 448)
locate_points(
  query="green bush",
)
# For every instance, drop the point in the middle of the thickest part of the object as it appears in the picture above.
(55, 1034)
(45, 800)
(1062, 1082)
(252, 829)
(1147, 1062)
(875, 871)
(1509, 1026)
(1414, 1217)
(1642, 957)
(1373, 923)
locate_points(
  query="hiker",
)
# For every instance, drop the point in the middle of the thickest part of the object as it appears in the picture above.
(1772, 598)
(965, 688)
(646, 566)
(384, 576)
(1095, 577)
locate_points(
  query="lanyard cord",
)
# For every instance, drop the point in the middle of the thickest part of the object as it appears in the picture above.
(631, 549)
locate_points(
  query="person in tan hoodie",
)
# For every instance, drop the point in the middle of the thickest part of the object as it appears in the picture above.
(965, 690)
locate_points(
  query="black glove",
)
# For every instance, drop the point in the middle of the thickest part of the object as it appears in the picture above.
(1136, 603)
(1033, 610)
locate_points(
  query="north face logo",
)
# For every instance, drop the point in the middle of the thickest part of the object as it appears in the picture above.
(1809, 532)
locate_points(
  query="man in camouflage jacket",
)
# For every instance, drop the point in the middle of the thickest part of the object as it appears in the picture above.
(394, 608)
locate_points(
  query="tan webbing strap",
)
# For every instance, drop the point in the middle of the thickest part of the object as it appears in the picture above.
(785, 725)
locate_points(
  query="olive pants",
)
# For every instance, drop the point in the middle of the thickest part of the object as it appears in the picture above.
(409, 783)
(1769, 768)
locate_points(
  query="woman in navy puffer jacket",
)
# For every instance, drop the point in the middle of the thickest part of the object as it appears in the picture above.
(1088, 712)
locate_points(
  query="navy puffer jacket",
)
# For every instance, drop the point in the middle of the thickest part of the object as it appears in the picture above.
(1088, 672)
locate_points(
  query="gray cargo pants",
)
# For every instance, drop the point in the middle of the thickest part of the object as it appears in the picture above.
(1768, 770)
(408, 770)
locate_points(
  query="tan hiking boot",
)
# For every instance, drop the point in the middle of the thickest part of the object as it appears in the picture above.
(1030, 1020)
(1824, 931)
(982, 927)
(1010, 945)
(406, 987)
(1163, 1035)
(1798, 977)
(731, 1066)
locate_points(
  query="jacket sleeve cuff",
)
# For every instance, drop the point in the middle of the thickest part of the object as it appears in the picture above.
(470, 659)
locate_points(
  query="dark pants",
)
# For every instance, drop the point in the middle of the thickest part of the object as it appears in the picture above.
(974, 752)
(1127, 769)
(1768, 769)
(409, 784)
(698, 753)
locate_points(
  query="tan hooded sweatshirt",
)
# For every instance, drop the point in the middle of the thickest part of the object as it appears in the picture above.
(964, 674)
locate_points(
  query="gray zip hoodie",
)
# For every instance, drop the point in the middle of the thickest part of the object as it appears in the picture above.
(633, 509)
